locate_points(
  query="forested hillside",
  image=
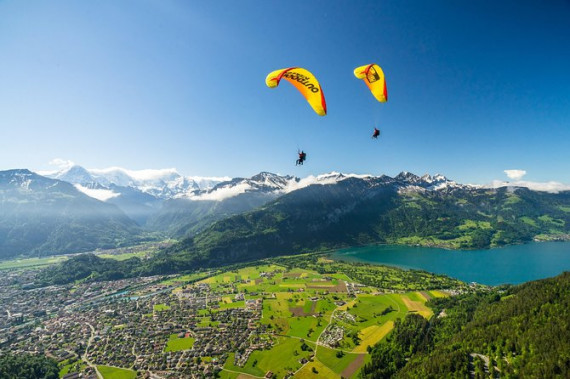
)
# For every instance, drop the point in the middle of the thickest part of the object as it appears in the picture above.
(27, 366)
(355, 212)
(518, 332)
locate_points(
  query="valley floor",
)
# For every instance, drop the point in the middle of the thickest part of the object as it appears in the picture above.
(300, 317)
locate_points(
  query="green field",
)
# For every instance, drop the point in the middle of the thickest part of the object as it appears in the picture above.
(161, 307)
(116, 373)
(437, 294)
(175, 343)
(190, 278)
(124, 256)
(305, 327)
(300, 303)
(66, 368)
(415, 296)
(329, 358)
(23, 263)
(282, 358)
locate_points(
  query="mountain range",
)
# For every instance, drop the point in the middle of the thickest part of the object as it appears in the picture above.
(406, 209)
(41, 216)
(221, 219)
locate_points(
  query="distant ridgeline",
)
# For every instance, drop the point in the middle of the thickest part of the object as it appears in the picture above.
(357, 211)
(518, 332)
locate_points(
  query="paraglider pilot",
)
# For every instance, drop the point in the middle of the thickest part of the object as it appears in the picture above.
(301, 159)
(376, 133)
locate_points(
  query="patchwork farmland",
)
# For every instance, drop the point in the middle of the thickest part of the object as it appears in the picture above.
(289, 317)
(316, 322)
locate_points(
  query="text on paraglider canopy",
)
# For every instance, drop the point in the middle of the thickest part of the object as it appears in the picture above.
(304, 80)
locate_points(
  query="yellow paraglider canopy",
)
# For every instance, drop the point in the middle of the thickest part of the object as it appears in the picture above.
(374, 78)
(305, 82)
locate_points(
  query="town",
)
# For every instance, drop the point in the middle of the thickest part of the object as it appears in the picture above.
(208, 324)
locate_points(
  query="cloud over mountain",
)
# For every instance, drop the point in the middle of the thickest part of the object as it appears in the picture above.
(515, 174)
(553, 187)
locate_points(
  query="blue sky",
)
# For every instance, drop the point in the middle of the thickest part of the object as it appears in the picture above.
(475, 87)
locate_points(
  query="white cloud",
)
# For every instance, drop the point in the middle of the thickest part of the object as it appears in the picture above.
(309, 181)
(99, 194)
(554, 187)
(226, 192)
(222, 193)
(139, 175)
(61, 164)
(515, 174)
(330, 178)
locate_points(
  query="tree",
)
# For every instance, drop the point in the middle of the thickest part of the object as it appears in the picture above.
(27, 366)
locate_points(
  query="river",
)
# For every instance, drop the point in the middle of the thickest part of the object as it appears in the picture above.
(511, 264)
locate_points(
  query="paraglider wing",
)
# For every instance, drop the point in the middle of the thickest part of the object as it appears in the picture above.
(374, 78)
(305, 82)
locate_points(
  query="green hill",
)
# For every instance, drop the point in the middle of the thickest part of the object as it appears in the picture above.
(516, 332)
(355, 212)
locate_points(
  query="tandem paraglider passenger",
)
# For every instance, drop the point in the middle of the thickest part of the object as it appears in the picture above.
(302, 157)
(376, 133)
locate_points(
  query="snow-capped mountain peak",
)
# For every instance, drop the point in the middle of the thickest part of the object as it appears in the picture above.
(162, 184)
(408, 177)
(264, 182)
(427, 182)
(74, 174)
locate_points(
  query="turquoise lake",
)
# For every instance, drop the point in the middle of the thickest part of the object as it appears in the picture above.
(511, 264)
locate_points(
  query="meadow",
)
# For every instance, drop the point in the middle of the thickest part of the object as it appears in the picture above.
(26, 263)
(300, 308)
(109, 372)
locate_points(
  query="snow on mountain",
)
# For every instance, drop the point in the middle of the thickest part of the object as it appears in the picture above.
(264, 182)
(165, 183)
(323, 179)
(269, 183)
(208, 182)
(27, 180)
(75, 175)
(16, 178)
(410, 182)
(84, 182)
(106, 184)
(103, 183)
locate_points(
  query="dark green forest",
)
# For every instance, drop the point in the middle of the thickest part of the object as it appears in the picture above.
(19, 366)
(523, 331)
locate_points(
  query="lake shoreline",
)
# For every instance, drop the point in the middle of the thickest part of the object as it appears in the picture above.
(510, 264)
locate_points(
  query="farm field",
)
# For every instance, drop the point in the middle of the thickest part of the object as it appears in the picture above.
(297, 317)
(118, 254)
(116, 373)
(322, 322)
(23, 263)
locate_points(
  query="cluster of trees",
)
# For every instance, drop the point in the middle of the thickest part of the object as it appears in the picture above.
(91, 267)
(522, 331)
(372, 275)
(27, 366)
